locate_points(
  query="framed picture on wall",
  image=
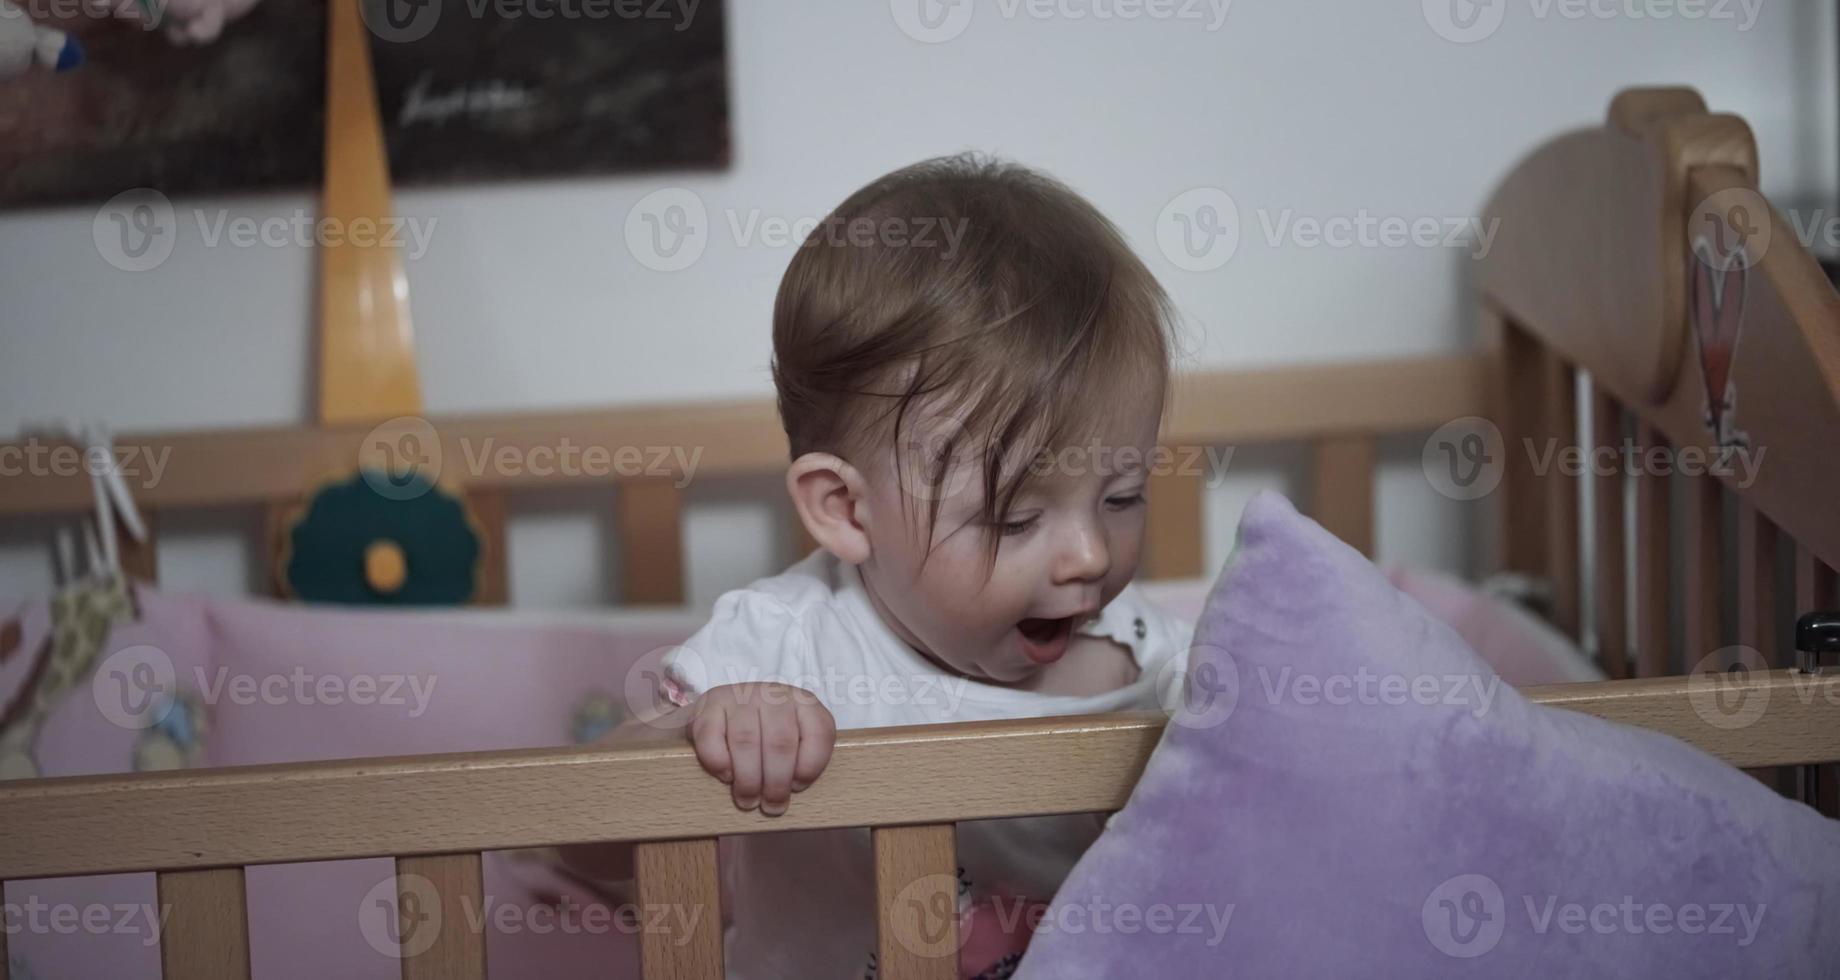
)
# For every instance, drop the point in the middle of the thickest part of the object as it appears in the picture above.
(470, 90)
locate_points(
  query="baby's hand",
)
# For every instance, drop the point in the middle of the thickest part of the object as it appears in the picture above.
(767, 741)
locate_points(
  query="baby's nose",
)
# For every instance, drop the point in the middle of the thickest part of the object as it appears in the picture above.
(1083, 556)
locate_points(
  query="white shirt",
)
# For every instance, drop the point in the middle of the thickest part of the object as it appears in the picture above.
(801, 904)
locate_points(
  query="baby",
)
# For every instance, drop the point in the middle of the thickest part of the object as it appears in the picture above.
(971, 367)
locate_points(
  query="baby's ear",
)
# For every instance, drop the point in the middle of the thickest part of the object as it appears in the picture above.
(831, 498)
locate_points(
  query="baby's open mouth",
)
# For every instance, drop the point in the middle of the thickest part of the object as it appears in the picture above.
(1044, 640)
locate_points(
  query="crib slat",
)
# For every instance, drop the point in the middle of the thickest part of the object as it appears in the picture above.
(450, 886)
(487, 508)
(1559, 404)
(1653, 578)
(275, 517)
(1522, 508)
(1757, 603)
(1174, 526)
(1342, 489)
(1814, 582)
(651, 541)
(1701, 629)
(1757, 585)
(141, 559)
(916, 902)
(680, 876)
(1611, 592)
(4, 972)
(206, 935)
(1818, 587)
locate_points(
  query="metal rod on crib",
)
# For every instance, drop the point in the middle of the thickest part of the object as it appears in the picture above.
(1816, 633)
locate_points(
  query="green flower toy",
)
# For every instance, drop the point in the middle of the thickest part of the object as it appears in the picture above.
(377, 540)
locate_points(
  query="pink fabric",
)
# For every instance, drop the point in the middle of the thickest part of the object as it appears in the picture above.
(79, 739)
(1522, 648)
(287, 683)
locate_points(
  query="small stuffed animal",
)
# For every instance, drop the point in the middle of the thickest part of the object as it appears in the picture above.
(24, 43)
(184, 21)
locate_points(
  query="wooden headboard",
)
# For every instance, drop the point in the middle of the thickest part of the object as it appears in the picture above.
(1594, 275)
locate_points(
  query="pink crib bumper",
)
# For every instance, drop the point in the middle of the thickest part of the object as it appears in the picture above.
(263, 682)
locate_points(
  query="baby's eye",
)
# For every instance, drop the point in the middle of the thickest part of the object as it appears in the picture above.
(1012, 528)
(1124, 501)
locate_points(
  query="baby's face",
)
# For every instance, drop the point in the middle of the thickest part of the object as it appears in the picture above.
(1068, 546)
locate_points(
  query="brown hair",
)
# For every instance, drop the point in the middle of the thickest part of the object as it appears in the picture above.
(972, 287)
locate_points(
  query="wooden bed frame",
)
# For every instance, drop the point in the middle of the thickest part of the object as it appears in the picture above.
(1590, 273)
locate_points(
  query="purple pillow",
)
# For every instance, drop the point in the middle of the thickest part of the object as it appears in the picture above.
(1345, 789)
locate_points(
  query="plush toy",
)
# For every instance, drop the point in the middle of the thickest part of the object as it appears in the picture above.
(184, 21)
(383, 539)
(24, 43)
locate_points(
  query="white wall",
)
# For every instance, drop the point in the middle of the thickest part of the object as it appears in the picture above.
(529, 297)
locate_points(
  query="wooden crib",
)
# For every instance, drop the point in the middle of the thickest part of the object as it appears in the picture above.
(1592, 276)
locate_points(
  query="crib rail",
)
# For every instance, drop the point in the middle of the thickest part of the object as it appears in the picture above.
(1340, 411)
(434, 814)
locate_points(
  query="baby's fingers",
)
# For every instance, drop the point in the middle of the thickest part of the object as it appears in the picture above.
(779, 751)
(817, 736)
(744, 753)
(709, 734)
